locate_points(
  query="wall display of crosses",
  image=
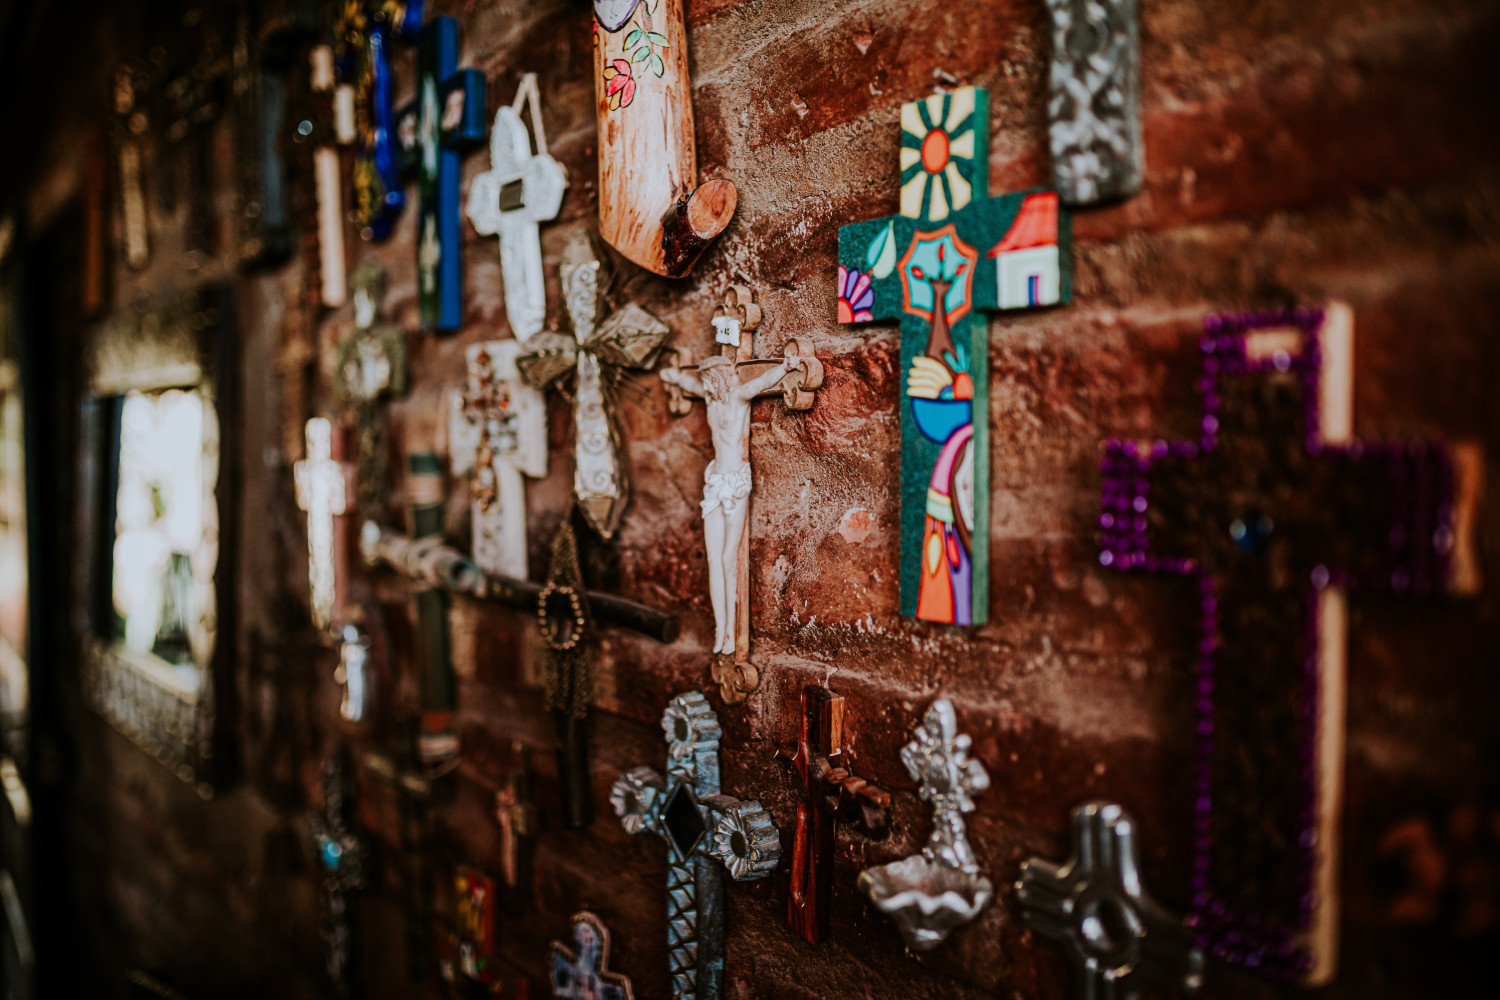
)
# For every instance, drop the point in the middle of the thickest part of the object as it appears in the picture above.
(600, 355)
(1094, 100)
(651, 207)
(583, 973)
(1117, 938)
(951, 243)
(931, 893)
(1273, 512)
(367, 31)
(370, 371)
(520, 191)
(325, 490)
(498, 434)
(728, 383)
(344, 860)
(833, 793)
(448, 115)
(702, 828)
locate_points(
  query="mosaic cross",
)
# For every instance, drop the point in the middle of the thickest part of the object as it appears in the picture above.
(951, 252)
(447, 116)
(343, 857)
(1094, 100)
(1115, 935)
(367, 31)
(325, 490)
(702, 828)
(582, 974)
(1272, 512)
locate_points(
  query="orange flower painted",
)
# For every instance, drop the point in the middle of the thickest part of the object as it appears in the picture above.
(621, 84)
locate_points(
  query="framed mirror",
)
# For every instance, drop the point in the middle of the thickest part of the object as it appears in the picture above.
(161, 515)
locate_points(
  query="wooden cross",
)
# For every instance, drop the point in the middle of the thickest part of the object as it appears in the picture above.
(344, 858)
(651, 207)
(832, 793)
(520, 191)
(414, 796)
(497, 434)
(327, 122)
(367, 33)
(132, 124)
(371, 370)
(582, 974)
(447, 115)
(701, 828)
(1272, 512)
(954, 245)
(1094, 100)
(325, 490)
(1115, 935)
(740, 377)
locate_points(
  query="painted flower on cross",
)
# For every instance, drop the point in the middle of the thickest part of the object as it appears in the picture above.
(856, 296)
(937, 155)
(619, 84)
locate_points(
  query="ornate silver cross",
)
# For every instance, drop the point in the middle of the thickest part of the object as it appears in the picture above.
(701, 827)
(1115, 935)
(1094, 100)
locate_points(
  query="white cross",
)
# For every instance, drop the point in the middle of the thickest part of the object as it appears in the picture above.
(520, 191)
(323, 490)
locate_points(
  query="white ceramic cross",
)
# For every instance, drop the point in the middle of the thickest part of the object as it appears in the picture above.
(325, 491)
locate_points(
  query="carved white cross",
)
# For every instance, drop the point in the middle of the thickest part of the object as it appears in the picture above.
(520, 191)
(497, 431)
(325, 491)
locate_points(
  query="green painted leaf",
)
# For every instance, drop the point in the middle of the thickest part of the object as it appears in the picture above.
(659, 39)
(880, 258)
(657, 66)
(633, 37)
(641, 54)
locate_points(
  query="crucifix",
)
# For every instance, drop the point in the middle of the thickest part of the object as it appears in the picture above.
(728, 383)
(343, 856)
(370, 370)
(702, 828)
(366, 34)
(651, 207)
(414, 795)
(950, 252)
(447, 116)
(325, 490)
(497, 434)
(1094, 100)
(520, 191)
(437, 738)
(931, 893)
(1272, 513)
(582, 974)
(833, 793)
(599, 354)
(1116, 936)
(131, 126)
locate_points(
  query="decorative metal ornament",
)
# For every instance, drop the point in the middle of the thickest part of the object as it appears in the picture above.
(1094, 100)
(1117, 938)
(582, 974)
(930, 894)
(343, 856)
(700, 826)
(599, 354)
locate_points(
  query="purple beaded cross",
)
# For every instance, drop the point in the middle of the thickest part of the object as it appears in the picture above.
(1268, 517)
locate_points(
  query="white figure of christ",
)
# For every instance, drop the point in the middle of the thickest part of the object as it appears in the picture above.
(726, 481)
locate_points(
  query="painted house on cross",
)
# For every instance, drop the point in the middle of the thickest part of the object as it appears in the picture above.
(1027, 264)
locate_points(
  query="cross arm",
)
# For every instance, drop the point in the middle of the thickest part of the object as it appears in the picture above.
(744, 838)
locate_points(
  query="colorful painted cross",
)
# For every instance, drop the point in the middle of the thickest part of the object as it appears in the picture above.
(520, 191)
(1094, 100)
(584, 975)
(701, 828)
(832, 792)
(366, 31)
(950, 242)
(447, 115)
(343, 856)
(1272, 512)
(325, 490)
(474, 900)
(1116, 936)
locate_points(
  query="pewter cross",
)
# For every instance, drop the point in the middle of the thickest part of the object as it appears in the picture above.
(700, 827)
(1115, 935)
(325, 490)
(1094, 100)
(584, 975)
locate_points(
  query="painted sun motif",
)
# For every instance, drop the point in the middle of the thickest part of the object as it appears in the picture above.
(937, 155)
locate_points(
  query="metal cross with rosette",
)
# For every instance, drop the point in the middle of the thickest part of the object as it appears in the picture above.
(1094, 100)
(930, 894)
(600, 353)
(582, 975)
(1115, 935)
(701, 827)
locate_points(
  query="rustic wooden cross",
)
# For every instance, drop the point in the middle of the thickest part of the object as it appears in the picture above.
(404, 775)
(447, 115)
(371, 370)
(497, 434)
(728, 383)
(344, 858)
(367, 32)
(1116, 936)
(832, 793)
(701, 828)
(325, 490)
(651, 207)
(520, 191)
(582, 974)
(1272, 512)
(1094, 100)
(951, 252)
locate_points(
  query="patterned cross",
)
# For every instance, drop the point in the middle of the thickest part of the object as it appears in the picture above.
(367, 31)
(951, 252)
(1115, 935)
(325, 490)
(701, 828)
(582, 974)
(1094, 100)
